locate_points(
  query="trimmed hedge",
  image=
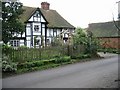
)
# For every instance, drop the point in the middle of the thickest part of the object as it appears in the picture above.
(39, 63)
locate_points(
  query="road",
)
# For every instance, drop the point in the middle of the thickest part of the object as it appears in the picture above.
(92, 74)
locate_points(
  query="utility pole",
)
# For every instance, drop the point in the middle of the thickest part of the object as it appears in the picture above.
(118, 17)
(118, 42)
(118, 10)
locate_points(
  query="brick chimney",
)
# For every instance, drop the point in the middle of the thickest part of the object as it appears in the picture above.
(45, 5)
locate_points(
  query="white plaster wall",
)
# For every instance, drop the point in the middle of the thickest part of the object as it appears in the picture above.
(31, 19)
(48, 32)
(37, 19)
(28, 31)
(42, 19)
(28, 44)
(58, 32)
(28, 41)
(21, 42)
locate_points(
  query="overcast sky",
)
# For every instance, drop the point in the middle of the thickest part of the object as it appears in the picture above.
(80, 12)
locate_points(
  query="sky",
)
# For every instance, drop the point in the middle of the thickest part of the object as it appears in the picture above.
(80, 13)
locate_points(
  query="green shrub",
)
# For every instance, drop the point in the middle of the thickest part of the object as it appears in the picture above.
(38, 63)
(52, 60)
(66, 58)
(81, 56)
(62, 59)
(87, 56)
(31, 64)
(8, 67)
(46, 62)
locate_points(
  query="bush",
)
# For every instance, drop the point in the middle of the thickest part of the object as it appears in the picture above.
(81, 56)
(6, 49)
(38, 63)
(62, 59)
(66, 59)
(35, 63)
(46, 62)
(9, 67)
(31, 64)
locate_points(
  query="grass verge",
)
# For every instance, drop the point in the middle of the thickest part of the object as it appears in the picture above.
(48, 66)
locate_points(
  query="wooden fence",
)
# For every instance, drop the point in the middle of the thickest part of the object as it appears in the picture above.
(28, 54)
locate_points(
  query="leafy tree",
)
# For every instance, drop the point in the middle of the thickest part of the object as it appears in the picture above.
(86, 38)
(80, 36)
(10, 20)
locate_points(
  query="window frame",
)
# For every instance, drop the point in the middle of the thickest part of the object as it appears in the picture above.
(36, 29)
(15, 43)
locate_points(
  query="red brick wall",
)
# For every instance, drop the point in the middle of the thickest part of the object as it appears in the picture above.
(112, 42)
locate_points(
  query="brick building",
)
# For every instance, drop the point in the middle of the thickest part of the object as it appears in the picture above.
(107, 33)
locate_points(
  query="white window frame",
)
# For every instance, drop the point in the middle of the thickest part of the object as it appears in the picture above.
(15, 43)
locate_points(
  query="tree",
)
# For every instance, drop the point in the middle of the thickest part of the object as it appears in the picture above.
(10, 20)
(86, 38)
(80, 36)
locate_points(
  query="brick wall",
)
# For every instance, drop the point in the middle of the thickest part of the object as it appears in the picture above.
(110, 42)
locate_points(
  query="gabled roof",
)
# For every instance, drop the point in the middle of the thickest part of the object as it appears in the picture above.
(105, 29)
(28, 11)
(54, 19)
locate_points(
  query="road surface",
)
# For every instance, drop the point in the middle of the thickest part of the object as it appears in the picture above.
(92, 74)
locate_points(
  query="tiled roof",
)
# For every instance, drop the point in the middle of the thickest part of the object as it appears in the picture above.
(54, 19)
(105, 29)
(28, 11)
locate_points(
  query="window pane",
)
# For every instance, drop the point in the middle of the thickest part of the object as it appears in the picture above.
(11, 43)
(36, 27)
(15, 43)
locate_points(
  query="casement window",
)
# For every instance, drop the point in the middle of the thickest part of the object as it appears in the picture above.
(15, 43)
(36, 28)
(48, 41)
(37, 42)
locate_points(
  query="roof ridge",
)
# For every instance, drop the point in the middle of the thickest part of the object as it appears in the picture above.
(29, 6)
(52, 16)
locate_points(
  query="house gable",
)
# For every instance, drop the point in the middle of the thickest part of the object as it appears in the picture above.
(37, 16)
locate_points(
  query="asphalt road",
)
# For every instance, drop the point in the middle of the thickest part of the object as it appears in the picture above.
(91, 74)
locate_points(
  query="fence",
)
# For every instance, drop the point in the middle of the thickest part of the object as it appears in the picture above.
(27, 54)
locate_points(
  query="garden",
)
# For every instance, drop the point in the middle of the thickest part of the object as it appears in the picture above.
(24, 59)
